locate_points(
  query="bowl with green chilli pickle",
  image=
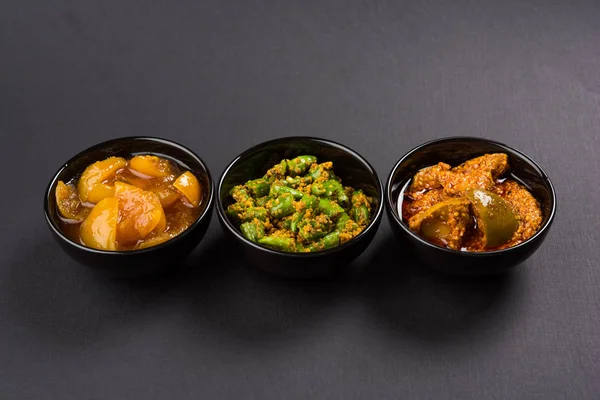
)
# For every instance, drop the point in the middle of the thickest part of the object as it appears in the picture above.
(300, 207)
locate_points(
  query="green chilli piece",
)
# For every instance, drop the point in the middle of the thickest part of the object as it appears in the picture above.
(277, 172)
(297, 181)
(331, 189)
(300, 164)
(286, 222)
(240, 193)
(259, 187)
(252, 230)
(308, 203)
(330, 208)
(311, 229)
(278, 189)
(335, 190)
(360, 207)
(252, 213)
(333, 176)
(341, 225)
(328, 241)
(359, 214)
(345, 224)
(278, 242)
(343, 198)
(316, 171)
(331, 240)
(235, 209)
(318, 189)
(300, 248)
(283, 206)
(261, 201)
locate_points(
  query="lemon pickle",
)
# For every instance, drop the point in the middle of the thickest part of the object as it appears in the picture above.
(119, 205)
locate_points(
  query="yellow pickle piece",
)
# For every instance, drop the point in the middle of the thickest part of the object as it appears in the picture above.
(150, 166)
(167, 196)
(68, 203)
(188, 184)
(99, 229)
(91, 186)
(140, 213)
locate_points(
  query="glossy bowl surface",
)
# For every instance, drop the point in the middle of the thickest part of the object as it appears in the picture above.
(455, 150)
(162, 258)
(352, 168)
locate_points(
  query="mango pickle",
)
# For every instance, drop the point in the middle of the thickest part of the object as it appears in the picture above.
(474, 206)
(495, 217)
(445, 223)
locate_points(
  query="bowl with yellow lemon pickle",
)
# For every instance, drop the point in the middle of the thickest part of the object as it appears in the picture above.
(130, 207)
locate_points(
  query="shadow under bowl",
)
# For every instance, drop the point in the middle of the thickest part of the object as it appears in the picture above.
(163, 258)
(454, 151)
(352, 168)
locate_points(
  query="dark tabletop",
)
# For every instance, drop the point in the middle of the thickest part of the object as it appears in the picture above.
(221, 76)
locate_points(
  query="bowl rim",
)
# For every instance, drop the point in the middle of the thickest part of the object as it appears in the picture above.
(121, 253)
(235, 230)
(396, 218)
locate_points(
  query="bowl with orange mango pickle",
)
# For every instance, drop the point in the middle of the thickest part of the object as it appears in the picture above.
(130, 207)
(469, 206)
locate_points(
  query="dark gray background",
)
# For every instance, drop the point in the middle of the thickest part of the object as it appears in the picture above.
(220, 76)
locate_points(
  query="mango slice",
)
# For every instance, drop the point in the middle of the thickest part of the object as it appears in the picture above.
(480, 172)
(68, 204)
(445, 223)
(148, 165)
(496, 164)
(99, 229)
(140, 213)
(422, 202)
(188, 184)
(428, 178)
(91, 186)
(495, 217)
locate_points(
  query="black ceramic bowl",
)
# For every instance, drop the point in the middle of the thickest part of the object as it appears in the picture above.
(455, 150)
(151, 261)
(354, 171)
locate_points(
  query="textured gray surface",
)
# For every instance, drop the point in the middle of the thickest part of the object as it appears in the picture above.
(219, 77)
